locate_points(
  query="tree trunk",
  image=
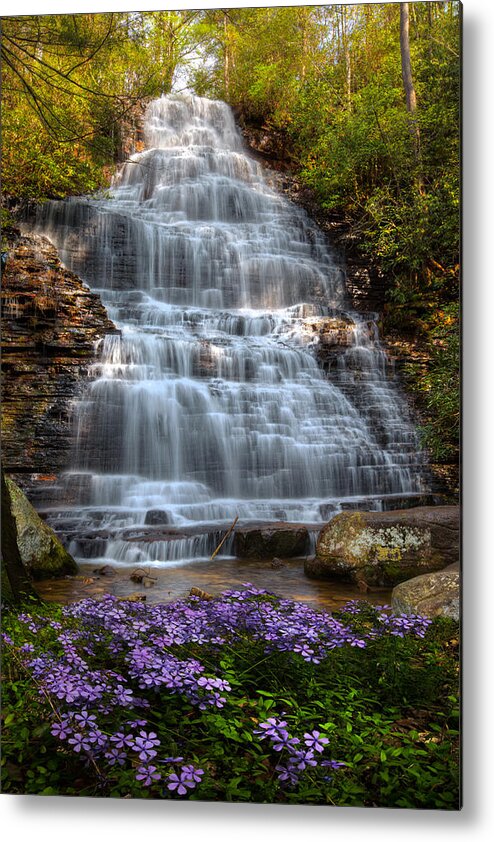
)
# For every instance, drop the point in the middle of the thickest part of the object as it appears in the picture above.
(16, 585)
(226, 68)
(406, 71)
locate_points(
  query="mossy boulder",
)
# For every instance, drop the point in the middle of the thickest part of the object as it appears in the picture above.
(385, 548)
(42, 554)
(433, 594)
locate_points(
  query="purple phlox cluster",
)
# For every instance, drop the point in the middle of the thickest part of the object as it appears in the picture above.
(401, 624)
(99, 714)
(145, 633)
(36, 624)
(187, 778)
(70, 682)
(151, 667)
(352, 607)
(298, 759)
(81, 732)
(132, 744)
(387, 623)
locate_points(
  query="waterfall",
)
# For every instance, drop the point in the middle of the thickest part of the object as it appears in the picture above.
(210, 402)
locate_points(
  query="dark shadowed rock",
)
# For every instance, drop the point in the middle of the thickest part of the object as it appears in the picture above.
(285, 540)
(433, 594)
(155, 517)
(385, 548)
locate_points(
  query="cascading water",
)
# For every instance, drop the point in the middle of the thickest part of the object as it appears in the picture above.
(210, 402)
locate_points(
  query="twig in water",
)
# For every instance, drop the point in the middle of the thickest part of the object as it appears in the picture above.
(218, 548)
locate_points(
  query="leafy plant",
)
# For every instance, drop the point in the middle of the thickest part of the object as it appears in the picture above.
(246, 697)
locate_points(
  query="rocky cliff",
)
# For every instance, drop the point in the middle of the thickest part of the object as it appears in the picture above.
(51, 324)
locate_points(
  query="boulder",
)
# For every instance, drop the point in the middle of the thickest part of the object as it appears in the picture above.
(433, 594)
(41, 552)
(270, 540)
(156, 517)
(385, 548)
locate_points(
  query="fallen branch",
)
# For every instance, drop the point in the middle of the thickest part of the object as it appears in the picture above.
(218, 548)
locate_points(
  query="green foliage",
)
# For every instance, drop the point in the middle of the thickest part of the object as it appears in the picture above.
(439, 387)
(36, 167)
(71, 85)
(389, 711)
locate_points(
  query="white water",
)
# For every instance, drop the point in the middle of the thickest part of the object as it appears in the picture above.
(210, 403)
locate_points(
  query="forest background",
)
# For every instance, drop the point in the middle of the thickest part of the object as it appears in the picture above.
(360, 102)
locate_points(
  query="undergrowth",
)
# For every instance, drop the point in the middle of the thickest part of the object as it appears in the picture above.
(244, 697)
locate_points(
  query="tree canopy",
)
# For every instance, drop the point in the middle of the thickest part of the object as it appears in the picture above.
(72, 85)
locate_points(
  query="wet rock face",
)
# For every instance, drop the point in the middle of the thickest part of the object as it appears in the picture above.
(51, 323)
(267, 541)
(385, 548)
(433, 594)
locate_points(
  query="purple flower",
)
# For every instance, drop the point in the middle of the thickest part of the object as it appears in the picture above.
(271, 728)
(191, 773)
(80, 742)
(61, 729)
(282, 741)
(187, 779)
(315, 741)
(124, 697)
(333, 764)
(122, 740)
(113, 755)
(174, 782)
(97, 738)
(147, 774)
(136, 723)
(85, 718)
(302, 759)
(287, 775)
(145, 744)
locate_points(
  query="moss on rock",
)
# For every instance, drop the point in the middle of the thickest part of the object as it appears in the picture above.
(433, 594)
(41, 551)
(385, 548)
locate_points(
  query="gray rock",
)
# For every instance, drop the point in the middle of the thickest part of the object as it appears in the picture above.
(156, 517)
(433, 594)
(42, 553)
(385, 548)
